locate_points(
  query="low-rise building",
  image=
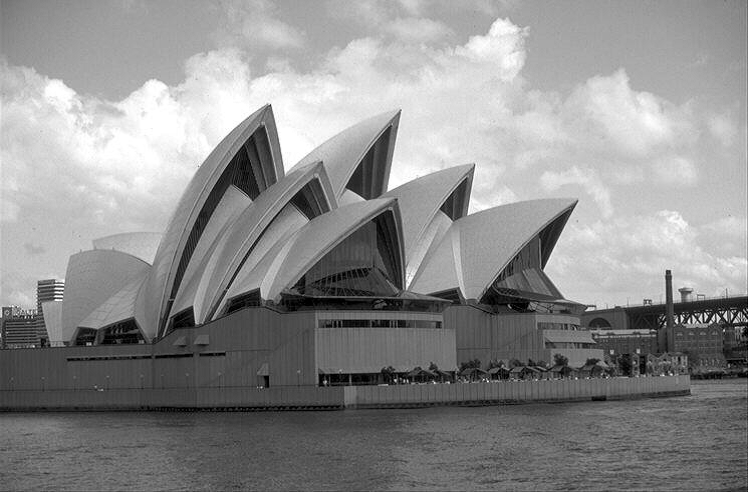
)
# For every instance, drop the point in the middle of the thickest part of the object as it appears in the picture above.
(614, 342)
(702, 343)
(19, 328)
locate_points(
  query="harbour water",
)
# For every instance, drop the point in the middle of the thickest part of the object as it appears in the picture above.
(696, 442)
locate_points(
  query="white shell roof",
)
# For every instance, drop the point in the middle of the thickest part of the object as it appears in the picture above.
(141, 245)
(119, 307)
(157, 287)
(317, 238)
(92, 277)
(233, 203)
(479, 246)
(237, 243)
(422, 198)
(343, 153)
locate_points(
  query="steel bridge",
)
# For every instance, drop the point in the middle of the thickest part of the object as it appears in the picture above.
(727, 311)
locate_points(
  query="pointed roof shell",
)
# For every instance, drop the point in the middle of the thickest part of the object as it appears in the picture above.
(421, 198)
(312, 242)
(371, 143)
(238, 242)
(141, 245)
(478, 247)
(197, 201)
(92, 277)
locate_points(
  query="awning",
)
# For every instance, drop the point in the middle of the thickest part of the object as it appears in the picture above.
(263, 371)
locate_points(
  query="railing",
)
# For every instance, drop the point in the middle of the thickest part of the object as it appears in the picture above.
(660, 302)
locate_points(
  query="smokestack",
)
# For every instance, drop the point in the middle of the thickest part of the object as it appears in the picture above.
(685, 294)
(669, 313)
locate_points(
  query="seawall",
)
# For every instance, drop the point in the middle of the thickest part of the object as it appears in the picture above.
(342, 397)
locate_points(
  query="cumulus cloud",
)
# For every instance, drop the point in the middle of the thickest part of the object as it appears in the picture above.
(626, 257)
(587, 178)
(255, 23)
(723, 128)
(34, 249)
(121, 165)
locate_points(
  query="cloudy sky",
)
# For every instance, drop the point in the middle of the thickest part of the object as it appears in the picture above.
(636, 108)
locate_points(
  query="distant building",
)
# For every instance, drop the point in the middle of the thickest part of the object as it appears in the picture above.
(19, 328)
(48, 290)
(702, 343)
(616, 342)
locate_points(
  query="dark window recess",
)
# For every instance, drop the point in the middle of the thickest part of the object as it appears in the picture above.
(86, 336)
(172, 356)
(450, 295)
(212, 354)
(245, 171)
(107, 357)
(307, 202)
(454, 205)
(363, 264)
(126, 332)
(183, 319)
(367, 179)
(249, 299)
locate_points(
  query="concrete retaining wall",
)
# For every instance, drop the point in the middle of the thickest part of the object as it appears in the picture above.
(310, 397)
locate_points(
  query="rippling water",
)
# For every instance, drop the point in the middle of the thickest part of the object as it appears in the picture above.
(694, 443)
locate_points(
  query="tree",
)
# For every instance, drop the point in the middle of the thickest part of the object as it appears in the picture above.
(387, 374)
(591, 362)
(560, 360)
(515, 363)
(433, 367)
(495, 363)
(531, 363)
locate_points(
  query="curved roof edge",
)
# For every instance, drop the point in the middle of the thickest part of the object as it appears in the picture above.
(313, 241)
(92, 277)
(421, 198)
(119, 307)
(482, 244)
(158, 289)
(250, 226)
(141, 245)
(371, 140)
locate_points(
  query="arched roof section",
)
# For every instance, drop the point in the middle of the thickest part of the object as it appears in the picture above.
(232, 205)
(481, 245)
(92, 277)
(306, 188)
(312, 242)
(141, 245)
(359, 158)
(422, 198)
(249, 158)
(118, 308)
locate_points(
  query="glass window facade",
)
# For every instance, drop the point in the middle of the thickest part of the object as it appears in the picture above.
(361, 265)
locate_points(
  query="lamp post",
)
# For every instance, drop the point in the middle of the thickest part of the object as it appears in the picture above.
(298, 377)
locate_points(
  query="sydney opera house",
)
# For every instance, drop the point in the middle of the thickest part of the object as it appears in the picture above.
(312, 276)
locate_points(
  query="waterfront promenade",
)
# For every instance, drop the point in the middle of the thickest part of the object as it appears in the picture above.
(345, 397)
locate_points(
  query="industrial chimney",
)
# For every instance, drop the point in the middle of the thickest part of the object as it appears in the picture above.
(685, 294)
(669, 313)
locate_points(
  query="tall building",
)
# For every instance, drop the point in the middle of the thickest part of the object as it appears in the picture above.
(48, 290)
(19, 328)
